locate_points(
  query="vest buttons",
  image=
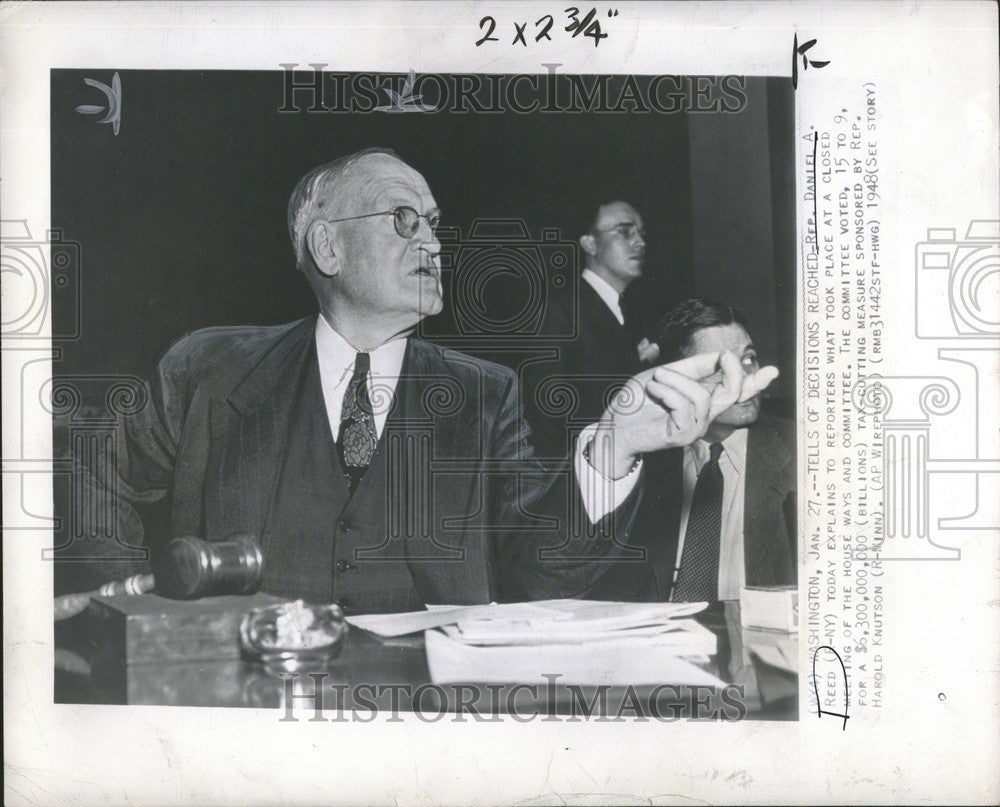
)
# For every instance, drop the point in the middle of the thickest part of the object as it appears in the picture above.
(345, 566)
(344, 526)
(344, 603)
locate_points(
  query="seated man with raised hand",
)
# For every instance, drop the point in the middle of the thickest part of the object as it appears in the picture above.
(718, 513)
(374, 468)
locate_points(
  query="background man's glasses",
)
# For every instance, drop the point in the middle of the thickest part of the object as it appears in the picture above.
(404, 218)
(626, 231)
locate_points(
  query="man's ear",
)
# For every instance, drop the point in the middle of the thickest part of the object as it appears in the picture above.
(321, 246)
(588, 244)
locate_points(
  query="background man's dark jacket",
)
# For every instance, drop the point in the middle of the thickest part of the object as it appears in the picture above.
(454, 509)
(573, 390)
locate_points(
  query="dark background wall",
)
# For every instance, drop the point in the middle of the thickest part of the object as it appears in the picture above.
(181, 217)
(180, 221)
(742, 187)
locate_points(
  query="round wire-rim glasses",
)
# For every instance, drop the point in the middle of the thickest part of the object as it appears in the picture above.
(405, 219)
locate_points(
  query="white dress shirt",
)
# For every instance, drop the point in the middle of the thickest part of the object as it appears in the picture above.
(733, 464)
(602, 495)
(336, 366)
(611, 298)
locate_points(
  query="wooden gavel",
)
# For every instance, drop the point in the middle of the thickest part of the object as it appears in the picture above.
(189, 568)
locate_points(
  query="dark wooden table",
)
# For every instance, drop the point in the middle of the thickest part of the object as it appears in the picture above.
(392, 675)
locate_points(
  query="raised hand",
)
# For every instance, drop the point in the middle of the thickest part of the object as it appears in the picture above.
(728, 384)
(670, 406)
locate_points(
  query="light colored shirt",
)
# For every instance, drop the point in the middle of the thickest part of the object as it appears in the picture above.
(336, 366)
(611, 298)
(733, 464)
(602, 495)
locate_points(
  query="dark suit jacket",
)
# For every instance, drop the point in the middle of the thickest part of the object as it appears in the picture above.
(574, 389)
(204, 457)
(769, 517)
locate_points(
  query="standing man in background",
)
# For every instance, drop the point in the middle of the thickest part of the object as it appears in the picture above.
(601, 355)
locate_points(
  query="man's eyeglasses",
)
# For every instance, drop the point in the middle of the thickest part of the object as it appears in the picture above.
(405, 219)
(626, 231)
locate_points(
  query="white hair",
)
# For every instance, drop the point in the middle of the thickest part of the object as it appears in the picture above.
(313, 192)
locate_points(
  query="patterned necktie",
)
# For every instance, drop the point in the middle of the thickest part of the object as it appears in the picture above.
(358, 437)
(699, 575)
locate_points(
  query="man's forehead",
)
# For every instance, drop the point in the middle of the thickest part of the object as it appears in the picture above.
(376, 173)
(732, 336)
(617, 213)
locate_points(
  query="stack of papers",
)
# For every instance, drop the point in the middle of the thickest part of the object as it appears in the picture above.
(625, 662)
(770, 607)
(392, 625)
(581, 642)
(580, 622)
(777, 648)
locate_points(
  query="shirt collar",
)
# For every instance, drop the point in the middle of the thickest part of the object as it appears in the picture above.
(611, 298)
(336, 354)
(734, 450)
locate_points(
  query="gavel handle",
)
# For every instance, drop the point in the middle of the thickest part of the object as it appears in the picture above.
(69, 605)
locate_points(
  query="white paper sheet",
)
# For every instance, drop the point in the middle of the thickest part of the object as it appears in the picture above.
(564, 616)
(614, 663)
(683, 634)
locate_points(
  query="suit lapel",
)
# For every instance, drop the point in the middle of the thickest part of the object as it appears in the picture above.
(596, 312)
(447, 552)
(415, 377)
(255, 421)
(431, 395)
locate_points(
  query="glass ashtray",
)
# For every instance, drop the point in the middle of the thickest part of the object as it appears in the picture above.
(293, 635)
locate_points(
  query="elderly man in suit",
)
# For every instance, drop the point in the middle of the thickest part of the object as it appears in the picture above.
(374, 468)
(719, 513)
